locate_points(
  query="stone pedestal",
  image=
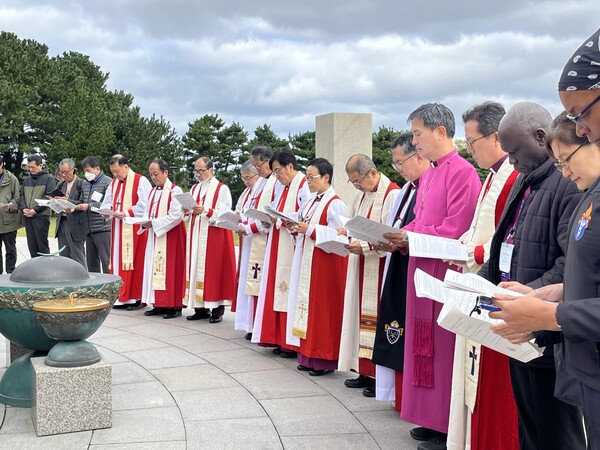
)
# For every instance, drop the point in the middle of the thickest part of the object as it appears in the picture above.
(338, 137)
(67, 400)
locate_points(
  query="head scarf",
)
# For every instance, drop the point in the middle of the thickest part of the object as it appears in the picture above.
(582, 70)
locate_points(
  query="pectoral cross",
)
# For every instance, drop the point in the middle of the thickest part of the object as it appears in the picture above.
(473, 356)
(256, 269)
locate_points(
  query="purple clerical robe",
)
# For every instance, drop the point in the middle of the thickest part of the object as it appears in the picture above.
(445, 205)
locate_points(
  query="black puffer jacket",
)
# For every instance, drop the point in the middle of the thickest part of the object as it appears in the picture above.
(93, 195)
(540, 241)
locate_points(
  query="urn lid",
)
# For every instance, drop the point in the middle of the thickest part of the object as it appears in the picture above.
(49, 269)
(70, 305)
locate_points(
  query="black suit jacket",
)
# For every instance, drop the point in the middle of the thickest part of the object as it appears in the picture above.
(76, 220)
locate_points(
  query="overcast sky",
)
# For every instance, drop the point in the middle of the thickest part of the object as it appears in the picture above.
(284, 62)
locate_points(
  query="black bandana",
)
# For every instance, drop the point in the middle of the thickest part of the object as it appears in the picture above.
(582, 70)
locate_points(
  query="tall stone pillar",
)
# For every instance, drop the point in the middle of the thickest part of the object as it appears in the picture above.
(339, 136)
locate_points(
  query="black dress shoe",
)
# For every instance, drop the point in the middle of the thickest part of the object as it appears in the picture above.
(155, 312)
(360, 382)
(437, 443)
(137, 305)
(277, 351)
(200, 313)
(423, 434)
(369, 391)
(302, 368)
(248, 336)
(172, 314)
(288, 355)
(215, 319)
(120, 306)
(320, 373)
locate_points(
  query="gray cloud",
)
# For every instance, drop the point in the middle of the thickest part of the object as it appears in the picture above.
(282, 63)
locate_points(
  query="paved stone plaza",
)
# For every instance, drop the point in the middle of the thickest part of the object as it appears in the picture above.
(189, 385)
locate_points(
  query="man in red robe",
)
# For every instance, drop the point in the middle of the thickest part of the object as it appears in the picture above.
(127, 196)
(210, 256)
(164, 265)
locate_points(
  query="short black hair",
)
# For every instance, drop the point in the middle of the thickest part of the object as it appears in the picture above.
(487, 115)
(119, 159)
(405, 141)
(90, 161)
(323, 166)
(36, 158)
(284, 158)
(161, 163)
(263, 152)
(435, 115)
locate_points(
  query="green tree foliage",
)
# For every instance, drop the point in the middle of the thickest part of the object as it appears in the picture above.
(224, 145)
(25, 104)
(382, 152)
(303, 146)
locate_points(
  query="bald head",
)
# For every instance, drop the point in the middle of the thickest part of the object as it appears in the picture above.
(359, 163)
(523, 135)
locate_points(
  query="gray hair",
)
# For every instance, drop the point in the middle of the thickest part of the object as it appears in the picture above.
(262, 152)
(404, 141)
(68, 161)
(487, 115)
(360, 163)
(435, 115)
(530, 117)
(249, 168)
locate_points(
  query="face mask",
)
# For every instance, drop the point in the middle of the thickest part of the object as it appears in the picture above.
(90, 176)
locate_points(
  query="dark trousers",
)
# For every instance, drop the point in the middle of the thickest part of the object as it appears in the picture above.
(97, 246)
(72, 248)
(10, 245)
(544, 421)
(36, 228)
(590, 403)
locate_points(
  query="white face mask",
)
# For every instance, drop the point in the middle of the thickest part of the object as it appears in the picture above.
(90, 176)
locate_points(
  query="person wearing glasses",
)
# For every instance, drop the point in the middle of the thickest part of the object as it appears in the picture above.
(244, 304)
(270, 326)
(572, 307)
(374, 200)
(529, 247)
(388, 349)
(474, 408)
(70, 224)
(318, 278)
(445, 205)
(127, 196)
(263, 193)
(210, 255)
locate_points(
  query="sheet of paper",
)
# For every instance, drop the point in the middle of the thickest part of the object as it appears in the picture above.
(426, 246)
(430, 287)
(65, 204)
(329, 241)
(42, 202)
(474, 283)
(226, 224)
(455, 318)
(186, 200)
(229, 216)
(136, 220)
(368, 230)
(104, 211)
(280, 215)
(257, 215)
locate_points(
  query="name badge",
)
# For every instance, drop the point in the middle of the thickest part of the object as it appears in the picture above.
(506, 252)
(96, 196)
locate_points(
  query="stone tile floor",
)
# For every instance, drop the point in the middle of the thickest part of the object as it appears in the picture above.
(192, 385)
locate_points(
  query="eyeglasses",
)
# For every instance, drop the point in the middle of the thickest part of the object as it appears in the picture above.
(577, 118)
(562, 164)
(260, 164)
(397, 164)
(310, 178)
(358, 182)
(470, 144)
(200, 171)
(247, 178)
(64, 172)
